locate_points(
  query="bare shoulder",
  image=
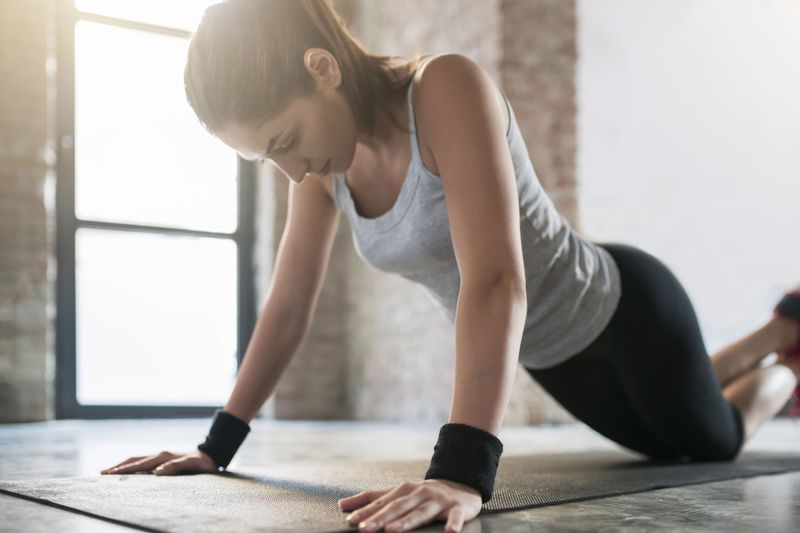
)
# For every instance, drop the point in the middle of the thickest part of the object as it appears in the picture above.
(451, 69)
(447, 74)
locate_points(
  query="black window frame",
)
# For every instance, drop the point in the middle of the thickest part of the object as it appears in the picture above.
(67, 224)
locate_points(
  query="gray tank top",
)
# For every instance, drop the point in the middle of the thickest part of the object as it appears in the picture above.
(573, 285)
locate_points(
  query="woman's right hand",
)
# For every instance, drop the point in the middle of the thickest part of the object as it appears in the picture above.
(166, 463)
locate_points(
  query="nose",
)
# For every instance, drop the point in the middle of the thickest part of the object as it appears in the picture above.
(294, 168)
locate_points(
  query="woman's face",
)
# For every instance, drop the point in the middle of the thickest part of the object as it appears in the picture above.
(312, 133)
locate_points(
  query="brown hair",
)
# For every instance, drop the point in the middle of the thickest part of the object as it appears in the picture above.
(245, 63)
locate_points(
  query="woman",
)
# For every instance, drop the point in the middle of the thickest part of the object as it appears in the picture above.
(426, 160)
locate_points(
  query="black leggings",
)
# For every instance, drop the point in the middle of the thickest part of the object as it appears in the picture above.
(646, 382)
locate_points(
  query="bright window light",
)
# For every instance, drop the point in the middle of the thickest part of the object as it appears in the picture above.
(181, 14)
(141, 155)
(156, 320)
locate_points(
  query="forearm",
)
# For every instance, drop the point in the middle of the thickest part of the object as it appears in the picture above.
(274, 342)
(489, 325)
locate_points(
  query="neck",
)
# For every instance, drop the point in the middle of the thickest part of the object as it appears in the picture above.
(379, 149)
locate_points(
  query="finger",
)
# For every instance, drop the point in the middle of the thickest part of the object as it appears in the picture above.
(345, 504)
(125, 466)
(125, 462)
(361, 499)
(168, 468)
(455, 519)
(421, 515)
(397, 509)
(143, 464)
(147, 463)
(363, 514)
(367, 504)
(176, 466)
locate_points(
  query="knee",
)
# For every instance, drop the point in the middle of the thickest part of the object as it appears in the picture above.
(723, 452)
(717, 449)
(723, 446)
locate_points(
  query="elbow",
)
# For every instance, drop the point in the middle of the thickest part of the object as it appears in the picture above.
(514, 285)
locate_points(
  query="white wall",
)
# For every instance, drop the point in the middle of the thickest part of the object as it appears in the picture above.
(689, 145)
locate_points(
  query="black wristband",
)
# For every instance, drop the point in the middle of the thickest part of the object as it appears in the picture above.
(467, 455)
(225, 436)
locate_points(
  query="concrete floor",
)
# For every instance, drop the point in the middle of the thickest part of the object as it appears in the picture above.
(83, 448)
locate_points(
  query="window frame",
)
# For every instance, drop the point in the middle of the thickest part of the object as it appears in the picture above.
(67, 224)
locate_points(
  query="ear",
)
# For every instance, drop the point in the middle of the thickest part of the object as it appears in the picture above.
(323, 67)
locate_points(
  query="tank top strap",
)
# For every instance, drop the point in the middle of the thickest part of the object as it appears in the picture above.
(412, 123)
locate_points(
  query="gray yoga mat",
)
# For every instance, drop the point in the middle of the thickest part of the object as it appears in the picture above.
(302, 496)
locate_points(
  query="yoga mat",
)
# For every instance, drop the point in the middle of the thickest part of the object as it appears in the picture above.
(302, 496)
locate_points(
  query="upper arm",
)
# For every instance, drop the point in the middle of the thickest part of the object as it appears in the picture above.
(465, 132)
(304, 251)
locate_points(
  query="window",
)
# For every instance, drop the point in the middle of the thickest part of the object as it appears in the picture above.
(155, 222)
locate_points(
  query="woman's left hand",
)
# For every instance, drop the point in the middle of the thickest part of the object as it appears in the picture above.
(411, 505)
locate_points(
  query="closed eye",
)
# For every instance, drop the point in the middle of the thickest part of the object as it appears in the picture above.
(284, 149)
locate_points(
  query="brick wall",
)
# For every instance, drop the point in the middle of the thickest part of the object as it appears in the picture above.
(537, 72)
(26, 200)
